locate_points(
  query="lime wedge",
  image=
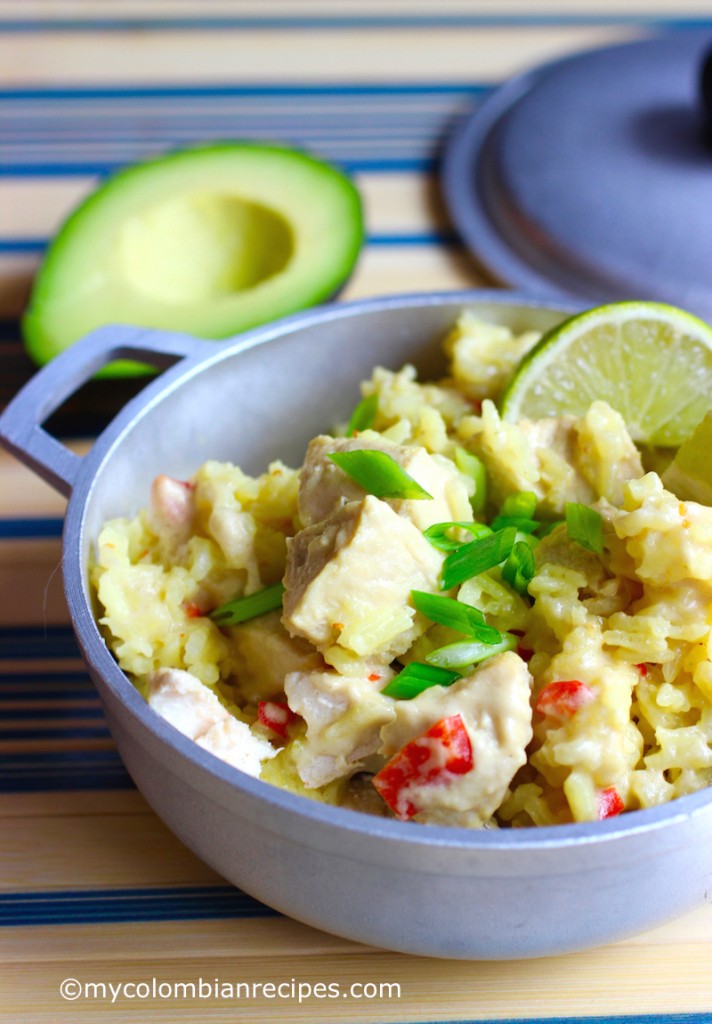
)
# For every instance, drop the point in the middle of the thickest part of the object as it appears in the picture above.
(650, 362)
(689, 475)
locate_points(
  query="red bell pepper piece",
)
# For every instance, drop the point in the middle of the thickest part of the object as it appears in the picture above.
(276, 715)
(525, 653)
(609, 803)
(434, 759)
(563, 698)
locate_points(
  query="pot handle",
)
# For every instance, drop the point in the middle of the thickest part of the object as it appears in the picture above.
(21, 430)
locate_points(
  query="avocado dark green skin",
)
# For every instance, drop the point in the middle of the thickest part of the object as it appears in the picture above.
(298, 256)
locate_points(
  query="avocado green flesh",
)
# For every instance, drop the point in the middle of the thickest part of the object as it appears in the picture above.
(210, 242)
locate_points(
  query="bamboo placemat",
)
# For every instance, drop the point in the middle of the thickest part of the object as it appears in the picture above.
(92, 885)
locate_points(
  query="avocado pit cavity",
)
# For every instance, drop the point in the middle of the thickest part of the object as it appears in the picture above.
(202, 246)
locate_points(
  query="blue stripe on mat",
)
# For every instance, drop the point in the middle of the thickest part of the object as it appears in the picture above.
(65, 771)
(90, 131)
(37, 642)
(38, 246)
(341, 22)
(57, 733)
(42, 693)
(48, 715)
(9, 328)
(51, 678)
(36, 528)
(100, 907)
(327, 90)
(13, 694)
(424, 165)
(31, 245)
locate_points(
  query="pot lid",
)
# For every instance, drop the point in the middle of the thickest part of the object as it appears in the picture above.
(591, 177)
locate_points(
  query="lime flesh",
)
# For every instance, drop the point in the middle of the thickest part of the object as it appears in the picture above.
(651, 362)
(689, 475)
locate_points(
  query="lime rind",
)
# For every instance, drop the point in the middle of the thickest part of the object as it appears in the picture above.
(650, 361)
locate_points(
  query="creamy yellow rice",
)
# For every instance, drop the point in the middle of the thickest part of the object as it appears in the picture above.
(632, 624)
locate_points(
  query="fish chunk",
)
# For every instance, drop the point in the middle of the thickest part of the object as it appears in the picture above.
(494, 704)
(192, 708)
(560, 459)
(185, 702)
(234, 742)
(324, 488)
(348, 580)
(344, 717)
(265, 653)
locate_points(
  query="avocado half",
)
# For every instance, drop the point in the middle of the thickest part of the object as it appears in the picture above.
(207, 241)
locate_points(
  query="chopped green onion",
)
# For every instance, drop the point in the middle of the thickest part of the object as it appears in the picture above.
(527, 538)
(471, 559)
(518, 509)
(544, 529)
(473, 467)
(519, 522)
(378, 474)
(437, 534)
(417, 677)
(519, 568)
(585, 526)
(244, 608)
(521, 503)
(470, 652)
(363, 415)
(455, 614)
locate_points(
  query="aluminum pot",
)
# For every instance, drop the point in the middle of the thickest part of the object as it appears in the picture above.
(434, 891)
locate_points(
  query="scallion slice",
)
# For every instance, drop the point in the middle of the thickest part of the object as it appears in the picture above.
(473, 467)
(244, 608)
(471, 559)
(518, 509)
(519, 568)
(521, 504)
(545, 529)
(415, 678)
(518, 522)
(585, 526)
(437, 534)
(455, 614)
(363, 415)
(378, 474)
(469, 652)
(529, 539)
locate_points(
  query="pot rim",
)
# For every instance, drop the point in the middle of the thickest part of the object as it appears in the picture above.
(101, 661)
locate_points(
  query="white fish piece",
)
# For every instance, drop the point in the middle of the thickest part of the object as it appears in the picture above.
(351, 577)
(324, 488)
(185, 702)
(494, 703)
(344, 717)
(193, 709)
(234, 742)
(265, 653)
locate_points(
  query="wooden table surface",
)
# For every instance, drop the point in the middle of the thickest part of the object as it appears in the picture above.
(92, 886)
